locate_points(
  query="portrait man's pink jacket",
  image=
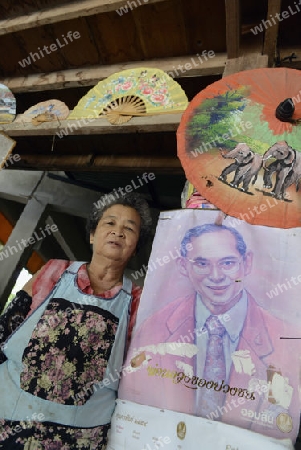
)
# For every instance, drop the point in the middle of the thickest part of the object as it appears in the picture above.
(155, 383)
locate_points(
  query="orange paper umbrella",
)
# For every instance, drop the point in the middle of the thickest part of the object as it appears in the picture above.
(239, 142)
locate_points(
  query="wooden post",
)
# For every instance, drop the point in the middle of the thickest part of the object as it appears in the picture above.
(271, 33)
(232, 27)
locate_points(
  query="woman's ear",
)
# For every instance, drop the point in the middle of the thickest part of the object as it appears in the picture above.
(91, 238)
(181, 263)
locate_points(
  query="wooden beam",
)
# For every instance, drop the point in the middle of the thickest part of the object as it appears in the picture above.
(20, 187)
(271, 32)
(76, 241)
(60, 196)
(61, 240)
(104, 163)
(247, 62)
(232, 27)
(100, 163)
(147, 124)
(67, 12)
(89, 76)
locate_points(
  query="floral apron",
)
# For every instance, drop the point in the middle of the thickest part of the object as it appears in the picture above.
(63, 362)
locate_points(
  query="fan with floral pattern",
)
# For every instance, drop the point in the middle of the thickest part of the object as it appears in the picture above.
(132, 92)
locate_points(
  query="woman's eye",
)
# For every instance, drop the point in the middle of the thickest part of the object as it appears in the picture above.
(129, 228)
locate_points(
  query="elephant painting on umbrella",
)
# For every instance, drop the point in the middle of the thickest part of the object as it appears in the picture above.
(287, 168)
(246, 166)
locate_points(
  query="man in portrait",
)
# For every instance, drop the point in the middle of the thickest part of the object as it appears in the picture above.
(216, 353)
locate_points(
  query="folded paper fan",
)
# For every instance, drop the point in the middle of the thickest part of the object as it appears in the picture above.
(6, 147)
(132, 92)
(7, 105)
(47, 111)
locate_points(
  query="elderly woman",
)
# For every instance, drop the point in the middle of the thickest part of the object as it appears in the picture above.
(61, 365)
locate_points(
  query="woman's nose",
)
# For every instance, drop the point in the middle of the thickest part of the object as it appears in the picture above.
(118, 232)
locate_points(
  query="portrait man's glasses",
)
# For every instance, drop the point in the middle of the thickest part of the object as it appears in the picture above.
(227, 265)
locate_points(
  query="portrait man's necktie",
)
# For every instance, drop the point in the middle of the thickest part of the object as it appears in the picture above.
(215, 367)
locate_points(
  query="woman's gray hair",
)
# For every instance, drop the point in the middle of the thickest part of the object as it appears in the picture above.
(132, 200)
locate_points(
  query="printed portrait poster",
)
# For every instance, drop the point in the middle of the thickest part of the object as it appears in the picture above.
(218, 327)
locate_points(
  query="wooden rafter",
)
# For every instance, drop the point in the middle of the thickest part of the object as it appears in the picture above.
(271, 32)
(232, 27)
(131, 163)
(89, 76)
(66, 12)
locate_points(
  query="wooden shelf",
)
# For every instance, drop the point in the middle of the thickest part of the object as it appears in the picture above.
(153, 124)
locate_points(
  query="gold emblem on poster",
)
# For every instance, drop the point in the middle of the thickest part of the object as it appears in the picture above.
(284, 422)
(181, 430)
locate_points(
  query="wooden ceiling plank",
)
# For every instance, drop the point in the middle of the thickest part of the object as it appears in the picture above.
(200, 19)
(115, 38)
(69, 11)
(233, 27)
(271, 32)
(90, 76)
(164, 24)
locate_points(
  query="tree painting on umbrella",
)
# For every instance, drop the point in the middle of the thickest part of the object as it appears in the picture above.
(239, 142)
(215, 124)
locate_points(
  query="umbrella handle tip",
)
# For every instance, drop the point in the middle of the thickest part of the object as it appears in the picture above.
(220, 218)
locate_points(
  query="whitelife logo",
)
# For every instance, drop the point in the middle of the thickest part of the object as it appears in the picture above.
(277, 17)
(53, 48)
(11, 249)
(132, 5)
(114, 195)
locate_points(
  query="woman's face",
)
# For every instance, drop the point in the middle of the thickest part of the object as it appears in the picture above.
(117, 233)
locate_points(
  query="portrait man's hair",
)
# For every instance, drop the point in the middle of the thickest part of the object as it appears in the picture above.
(212, 228)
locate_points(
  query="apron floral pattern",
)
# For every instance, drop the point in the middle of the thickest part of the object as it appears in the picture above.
(68, 341)
(64, 353)
(50, 436)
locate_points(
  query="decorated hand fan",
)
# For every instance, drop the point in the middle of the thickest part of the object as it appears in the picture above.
(132, 92)
(6, 147)
(45, 112)
(7, 105)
